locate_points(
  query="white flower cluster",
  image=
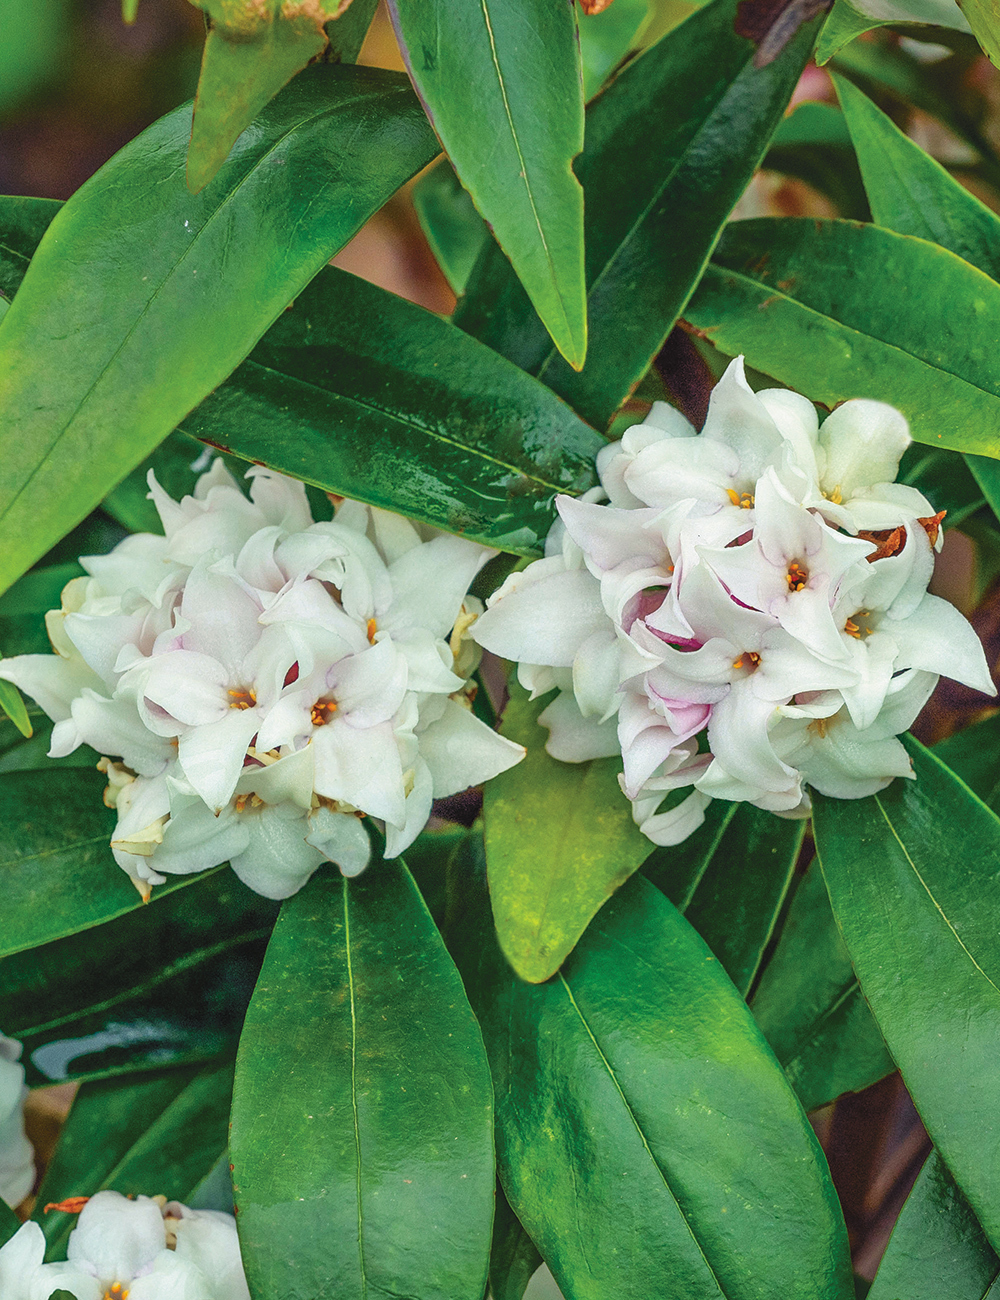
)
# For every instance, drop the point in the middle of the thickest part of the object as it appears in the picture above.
(761, 585)
(122, 1249)
(17, 1161)
(262, 681)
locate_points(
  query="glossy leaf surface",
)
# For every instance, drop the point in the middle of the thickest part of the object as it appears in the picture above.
(145, 296)
(503, 90)
(912, 875)
(560, 839)
(164, 1132)
(57, 875)
(730, 879)
(794, 294)
(514, 1256)
(641, 1064)
(23, 222)
(937, 1247)
(811, 1009)
(168, 982)
(652, 214)
(363, 1154)
(369, 396)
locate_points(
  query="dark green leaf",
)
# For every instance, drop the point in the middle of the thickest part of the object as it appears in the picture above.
(630, 1091)
(158, 1135)
(167, 982)
(794, 294)
(937, 1248)
(913, 875)
(811, 1009)
(367, 395)
(503, 90)
(730, 880)
(945, 478)
(9, 1222)
(186, 285)
(347, 33)
(454, 229)
(652, 214)
(813, 144)
(23, 222)
(514, 1256)
(14, 707)
(974, 755)
(23, 608)
(362, 1116)
(560, 840)
(57, 875)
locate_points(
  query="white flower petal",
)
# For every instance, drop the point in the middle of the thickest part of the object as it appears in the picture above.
(461, 751)
(863, 441)
(574, 738)
(115, 1238)
(341, 839)
(277, 860)
(211, 756)
(545, 622)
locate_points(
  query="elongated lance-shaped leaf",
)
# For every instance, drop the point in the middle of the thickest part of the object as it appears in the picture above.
(23, 222)
(652, 214)
(454, 229)
(164, 1132)
(937, 1247)
(560, 839)
(366, 395)
(502, 87)
(362, 1115)
(641, 1065)
(811, 1008)
(913, 194)
(168, 982)
(730, 879)
(913, 875)
(57, 875)
(9, 1222)
(974, 755)
(794, 294)
(143, 297)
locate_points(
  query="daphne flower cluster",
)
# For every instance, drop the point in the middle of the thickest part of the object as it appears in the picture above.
(741, 613)
(258, 682)
(122, 1249)
(17, 1163)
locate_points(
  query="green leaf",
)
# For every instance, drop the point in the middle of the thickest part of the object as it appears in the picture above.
(652, 214)
(794, 294)
(985, 23)
(730, 879)
(945, 478)
(154, 1136)
(362, 1115)
(369, 396)
(187, 284)
(163, 984)
(9, 1223)
(23, 222)
(514, 1256)
(606, 37)
(937, 1248)
(911, 193)
(241, 72)
(15, 708)
(454, 229)
(912, 874)
(843, 25)
(974, 755)
(502, 87)
(57, 875)
(630, 1091)
(810, 1007)
(560, 840)
(24, 605)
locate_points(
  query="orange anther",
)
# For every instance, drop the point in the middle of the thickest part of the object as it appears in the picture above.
(72, 1205)
(372, 629)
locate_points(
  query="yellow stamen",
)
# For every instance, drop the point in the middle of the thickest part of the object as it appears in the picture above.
(819, 726)
(243, 699)
(749, 659)
(744, 500)
(372, 629)
(797, 576)
(322, 711)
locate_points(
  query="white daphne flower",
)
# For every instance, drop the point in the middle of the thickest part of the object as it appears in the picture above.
(260, 683)
(17, 1161)
(747, 615)
(122, 1249)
